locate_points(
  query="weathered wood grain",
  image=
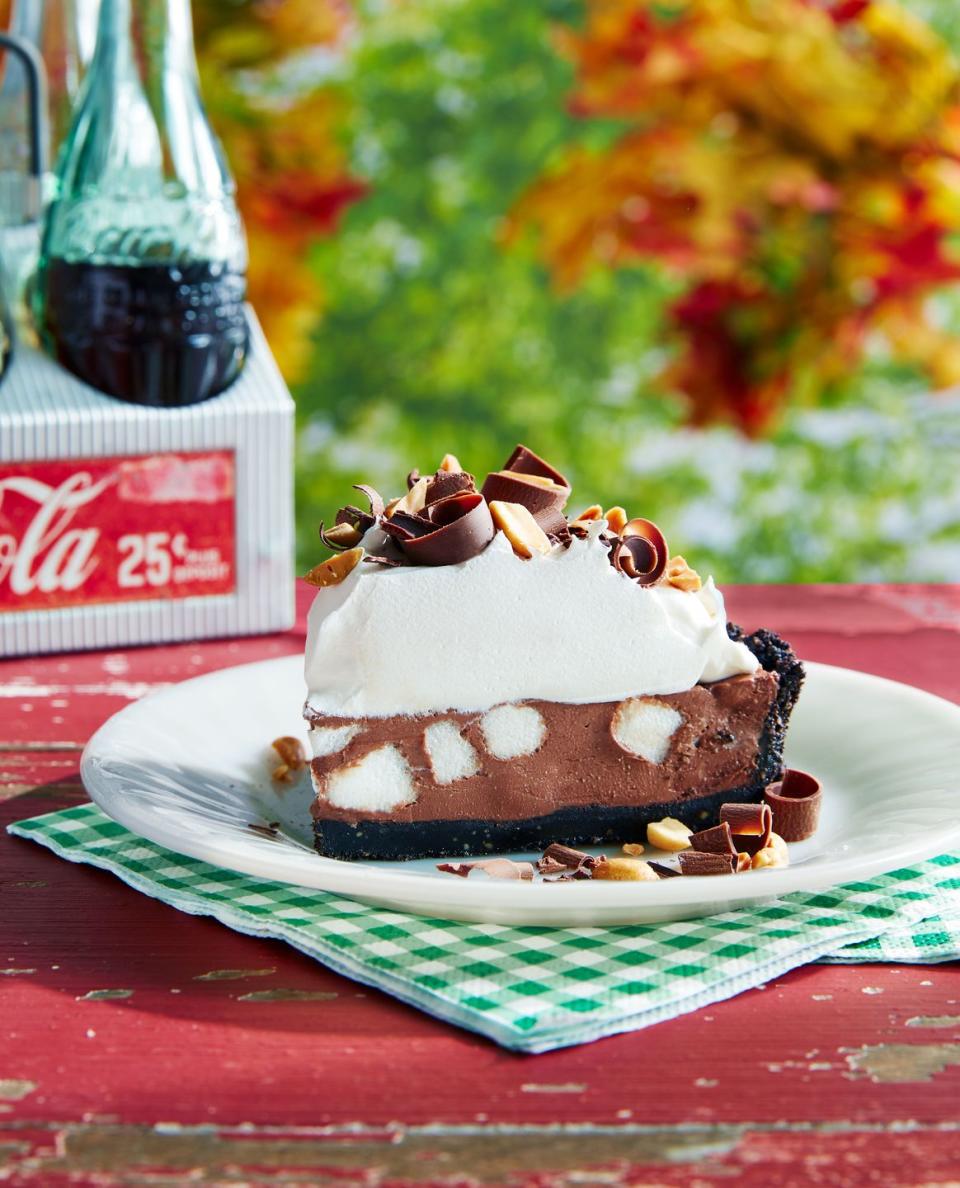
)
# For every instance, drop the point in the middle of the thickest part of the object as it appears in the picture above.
(142, 1046)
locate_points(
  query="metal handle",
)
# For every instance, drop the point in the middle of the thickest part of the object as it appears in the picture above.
(36, 98)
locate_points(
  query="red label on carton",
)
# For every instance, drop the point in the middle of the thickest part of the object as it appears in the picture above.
(98, 530)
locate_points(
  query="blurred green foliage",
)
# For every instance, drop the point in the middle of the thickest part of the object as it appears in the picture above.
(438, 337)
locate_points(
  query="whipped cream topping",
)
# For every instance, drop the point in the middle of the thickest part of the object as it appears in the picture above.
(565, 626)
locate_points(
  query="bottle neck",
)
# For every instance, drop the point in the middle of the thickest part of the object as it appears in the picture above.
(151, 37)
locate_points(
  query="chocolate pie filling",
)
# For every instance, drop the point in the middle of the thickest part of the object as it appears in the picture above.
(597, 772)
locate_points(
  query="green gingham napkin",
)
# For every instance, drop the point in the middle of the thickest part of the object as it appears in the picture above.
(535, 989)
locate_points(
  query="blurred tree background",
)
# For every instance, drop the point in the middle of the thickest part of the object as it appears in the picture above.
(446, 256)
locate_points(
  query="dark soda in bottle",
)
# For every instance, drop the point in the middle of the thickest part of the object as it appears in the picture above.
(142, 274)
(157, 334)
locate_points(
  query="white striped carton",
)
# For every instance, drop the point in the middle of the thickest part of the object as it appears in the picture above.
(121, 524)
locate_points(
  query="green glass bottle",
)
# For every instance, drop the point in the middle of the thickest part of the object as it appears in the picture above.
(142, 272)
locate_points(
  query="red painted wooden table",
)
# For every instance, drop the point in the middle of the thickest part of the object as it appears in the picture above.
(139, 1045)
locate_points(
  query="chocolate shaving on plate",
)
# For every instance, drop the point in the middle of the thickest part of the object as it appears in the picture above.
(715, 840)
(271, 831)
(750, 824)
(696, 862)
(567, 862)
(568, 856)
(664, 872)
(496, 868)
(795, 801)
(746, 820)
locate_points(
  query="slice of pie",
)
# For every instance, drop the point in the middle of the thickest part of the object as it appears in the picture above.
(486, 674)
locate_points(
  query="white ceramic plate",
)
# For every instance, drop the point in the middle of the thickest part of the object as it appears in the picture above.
(188, 767)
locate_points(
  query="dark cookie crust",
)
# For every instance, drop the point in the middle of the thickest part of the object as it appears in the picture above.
(775, 655)
(594, 825)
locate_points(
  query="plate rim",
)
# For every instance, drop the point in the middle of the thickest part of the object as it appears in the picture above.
(259, 856)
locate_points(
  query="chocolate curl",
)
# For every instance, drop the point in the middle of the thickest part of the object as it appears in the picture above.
(637, 558)
(412, 478)
(389, 562)
(524, 461)
(496, 868)
(340, 536)
(664, 872)
(557, 858)
(696, 862)
(795, 801)
(462, 528)
(403, 526)
(352, 522)
(376, 501)
(640, 552)
(545, 503)
(750, 824)
(716, 840)
(449, 482)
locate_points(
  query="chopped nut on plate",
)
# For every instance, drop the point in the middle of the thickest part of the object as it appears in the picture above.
(632, 848)
(775, 853)
(669, 834)
(625, 870)
(292, 757)
(770, 857)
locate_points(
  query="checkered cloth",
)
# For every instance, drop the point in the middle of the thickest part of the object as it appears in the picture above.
(536, 989)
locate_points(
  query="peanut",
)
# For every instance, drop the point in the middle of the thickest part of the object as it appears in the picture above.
(678, 573)
(343, 534)
(517, 524)
(616, 518)
(625, 870)
(777, 843)
(333, 571)
(771, 856)
(593, 512)
(451, 464)
(632, 848)
(669, 834)
(414, 500)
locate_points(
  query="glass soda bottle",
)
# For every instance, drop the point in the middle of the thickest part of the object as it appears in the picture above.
(142, 272)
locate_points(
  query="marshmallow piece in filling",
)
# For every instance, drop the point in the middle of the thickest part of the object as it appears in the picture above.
(327, 740)
(451, 756)
(513, 730)
(644, 728)
(377, 783)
